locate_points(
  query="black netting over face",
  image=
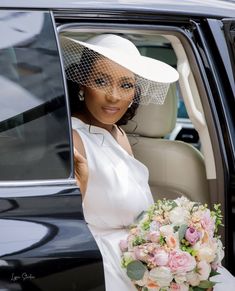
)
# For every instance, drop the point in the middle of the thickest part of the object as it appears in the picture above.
(91, 69)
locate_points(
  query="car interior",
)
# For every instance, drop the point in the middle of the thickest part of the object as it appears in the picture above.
(176, 167)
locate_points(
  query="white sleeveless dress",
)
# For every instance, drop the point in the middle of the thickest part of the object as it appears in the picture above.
(117, 192)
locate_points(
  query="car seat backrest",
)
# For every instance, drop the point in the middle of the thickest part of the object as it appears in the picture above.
(176, 168)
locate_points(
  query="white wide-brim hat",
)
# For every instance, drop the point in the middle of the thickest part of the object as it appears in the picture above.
(153, 77)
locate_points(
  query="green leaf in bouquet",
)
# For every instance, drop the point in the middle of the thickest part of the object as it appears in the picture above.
(182, 231)
(138, 240)
(198, 289)
(173, 204)
(145, 225)
(214, 273)
(195, 207)
(217, 214)
(162, 240)
(126, 259)
(205, 284)
(140, 216)
(176, 228)
(135, 270)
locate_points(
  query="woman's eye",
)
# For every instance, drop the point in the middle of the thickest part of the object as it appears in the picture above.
(127, 85)
(101, 82)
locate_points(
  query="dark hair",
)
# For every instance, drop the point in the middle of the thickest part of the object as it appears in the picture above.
(77, 106)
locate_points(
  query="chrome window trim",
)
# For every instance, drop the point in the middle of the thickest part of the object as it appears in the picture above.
(65, 92)
(30, 183)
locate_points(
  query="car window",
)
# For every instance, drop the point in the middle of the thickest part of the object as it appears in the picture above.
(184, 129)
(164, 52)
(34, 130)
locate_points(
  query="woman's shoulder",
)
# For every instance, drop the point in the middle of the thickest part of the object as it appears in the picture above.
(78, 143)
(76, 122)
(122, 139)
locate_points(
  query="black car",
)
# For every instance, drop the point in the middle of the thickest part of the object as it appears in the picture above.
(45, 243)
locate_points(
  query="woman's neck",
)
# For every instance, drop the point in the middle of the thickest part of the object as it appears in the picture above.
(92, 121)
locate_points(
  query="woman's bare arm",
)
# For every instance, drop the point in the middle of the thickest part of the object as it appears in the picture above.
(80, 163)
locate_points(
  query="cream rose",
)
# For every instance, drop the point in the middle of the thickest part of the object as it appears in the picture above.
(204, 270)
(179, 216)
(180, 278)
(162, 275)
(219, 252)
(193, 278)
(205, 252)
(144, 280)
(166, 230)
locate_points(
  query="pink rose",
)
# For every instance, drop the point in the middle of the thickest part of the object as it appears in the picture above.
(160, 258)
(153, 236)
(192, 235)
(174, 286)
(140, 254)
(178, 287)
(123, 245)
(215, 266)
(208, 223)
(181, 262)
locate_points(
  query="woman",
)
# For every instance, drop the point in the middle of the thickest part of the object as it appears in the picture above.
(108, 80)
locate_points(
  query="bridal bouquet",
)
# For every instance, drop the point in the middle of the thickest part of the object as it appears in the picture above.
(174, 246)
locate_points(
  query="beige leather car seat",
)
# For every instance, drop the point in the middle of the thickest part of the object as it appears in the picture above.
(176, 168)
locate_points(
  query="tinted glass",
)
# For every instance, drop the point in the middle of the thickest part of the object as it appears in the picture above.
(165, 53)
(34, 135)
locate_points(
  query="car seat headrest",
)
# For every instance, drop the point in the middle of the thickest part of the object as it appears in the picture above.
(155, 120)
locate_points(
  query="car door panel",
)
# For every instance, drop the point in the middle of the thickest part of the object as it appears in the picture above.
(45, 242)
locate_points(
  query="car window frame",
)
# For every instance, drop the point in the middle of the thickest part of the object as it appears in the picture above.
(70, 180)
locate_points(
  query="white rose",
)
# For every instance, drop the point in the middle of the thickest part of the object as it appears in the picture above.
(206, 254)
(182, 201)
(219, 252)
(193, 278)
(166, 230)
(144, 280)
(180, 278)
(204, 270)
(161, 275)
(179, 215)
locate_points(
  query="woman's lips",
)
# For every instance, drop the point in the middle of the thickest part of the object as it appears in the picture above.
(110, 110)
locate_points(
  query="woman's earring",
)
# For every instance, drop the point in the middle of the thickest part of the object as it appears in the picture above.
(130, 104)
(81, 95)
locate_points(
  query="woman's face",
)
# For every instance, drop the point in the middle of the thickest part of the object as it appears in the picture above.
(111, 90)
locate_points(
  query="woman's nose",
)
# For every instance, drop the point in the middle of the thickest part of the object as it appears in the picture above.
(113, 94)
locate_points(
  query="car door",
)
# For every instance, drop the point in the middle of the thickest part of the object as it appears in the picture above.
(215, 41)
(45, 243)
(210, 65)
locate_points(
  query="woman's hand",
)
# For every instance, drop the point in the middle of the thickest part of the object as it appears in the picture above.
(81, 171)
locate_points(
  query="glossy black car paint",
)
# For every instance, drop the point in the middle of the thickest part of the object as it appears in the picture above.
(67, 258)
(63, 256)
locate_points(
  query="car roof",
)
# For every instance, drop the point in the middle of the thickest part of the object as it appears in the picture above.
(209, 8)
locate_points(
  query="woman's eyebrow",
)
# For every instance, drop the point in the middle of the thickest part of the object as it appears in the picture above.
(101, 74)
(130, 79)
